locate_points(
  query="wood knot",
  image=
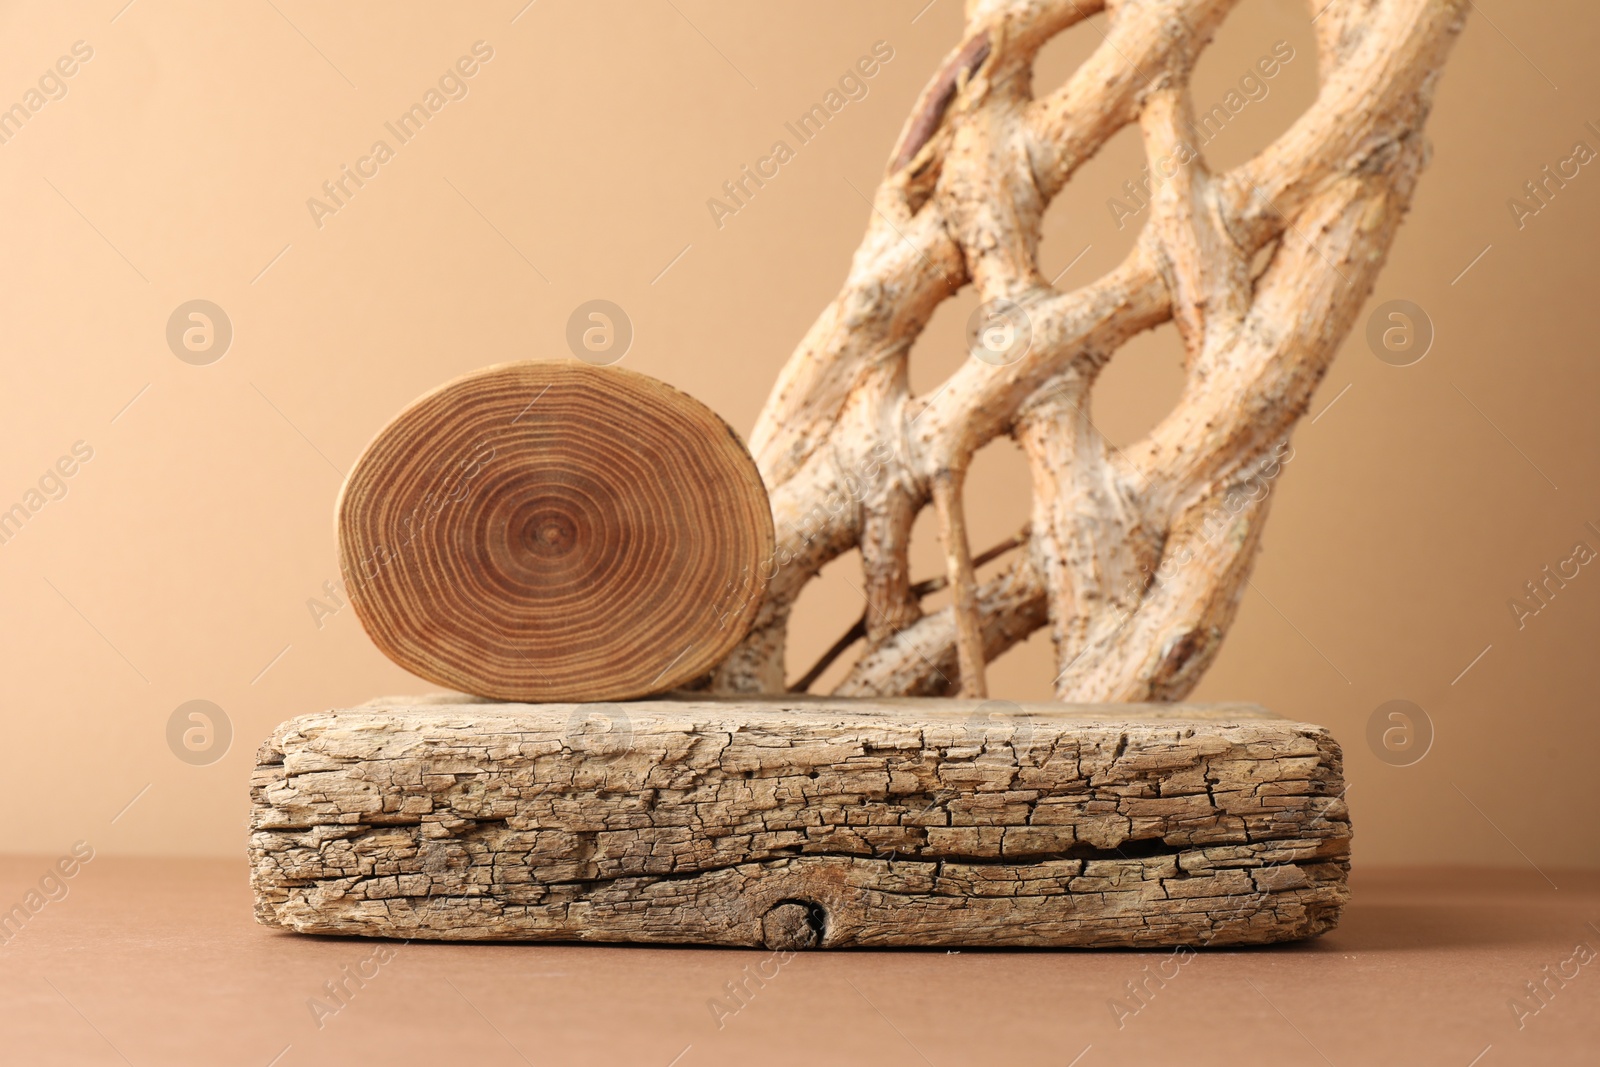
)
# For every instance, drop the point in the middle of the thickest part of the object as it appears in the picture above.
(791, 925)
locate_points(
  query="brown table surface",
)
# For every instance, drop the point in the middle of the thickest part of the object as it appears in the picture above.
(159, 961)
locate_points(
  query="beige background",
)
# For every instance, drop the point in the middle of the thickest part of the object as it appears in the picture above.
(178, 566)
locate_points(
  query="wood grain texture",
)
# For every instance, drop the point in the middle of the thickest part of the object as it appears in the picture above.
(555, 531)
(802, 822)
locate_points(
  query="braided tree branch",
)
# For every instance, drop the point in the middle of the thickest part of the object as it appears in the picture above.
(1136, 558)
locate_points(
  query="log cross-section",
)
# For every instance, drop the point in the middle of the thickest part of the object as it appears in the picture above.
(548, 531)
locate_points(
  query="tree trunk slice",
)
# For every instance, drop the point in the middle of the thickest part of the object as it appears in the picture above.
(556, 531)
(801, 822)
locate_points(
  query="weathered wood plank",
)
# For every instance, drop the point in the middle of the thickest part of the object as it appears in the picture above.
(789, 822)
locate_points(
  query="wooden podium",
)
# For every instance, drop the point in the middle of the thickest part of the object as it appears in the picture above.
(801, 822)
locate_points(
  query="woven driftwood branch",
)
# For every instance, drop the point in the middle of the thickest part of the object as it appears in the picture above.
(1136, 558)
(800, 822)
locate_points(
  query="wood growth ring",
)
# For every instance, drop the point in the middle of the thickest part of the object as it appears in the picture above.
(549, 531)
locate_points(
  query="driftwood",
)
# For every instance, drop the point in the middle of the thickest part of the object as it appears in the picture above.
(801, 822)
(544, 531)
(1135, 558)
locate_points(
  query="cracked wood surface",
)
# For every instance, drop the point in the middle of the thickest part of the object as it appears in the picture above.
(802, 821)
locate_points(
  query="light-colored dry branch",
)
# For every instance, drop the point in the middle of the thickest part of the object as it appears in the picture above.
(801, 822)
(1136, 558)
